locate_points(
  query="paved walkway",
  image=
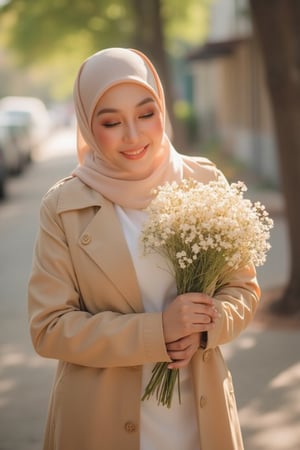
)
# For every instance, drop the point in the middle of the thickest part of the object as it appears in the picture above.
(266, 371)
(265, 360)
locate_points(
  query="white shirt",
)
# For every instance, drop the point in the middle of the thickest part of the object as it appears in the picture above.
(160, 427)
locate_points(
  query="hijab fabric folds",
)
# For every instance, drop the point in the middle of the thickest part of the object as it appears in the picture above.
(100, 72)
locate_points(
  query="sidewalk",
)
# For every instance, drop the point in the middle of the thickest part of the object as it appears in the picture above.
(266, 373)
(265, 360)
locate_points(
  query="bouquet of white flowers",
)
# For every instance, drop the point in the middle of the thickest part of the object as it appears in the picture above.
(206, 231)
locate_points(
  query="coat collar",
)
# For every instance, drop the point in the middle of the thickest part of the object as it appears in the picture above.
(103, 239)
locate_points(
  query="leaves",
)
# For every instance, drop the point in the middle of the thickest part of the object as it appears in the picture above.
(60, 34)
(40, 28)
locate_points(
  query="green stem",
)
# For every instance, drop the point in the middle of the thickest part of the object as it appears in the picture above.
(162, 383)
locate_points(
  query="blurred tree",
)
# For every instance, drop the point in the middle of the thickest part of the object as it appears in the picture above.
(149, 33)
(277, 25)
(62, 33)
(46, 32)
(149, 38)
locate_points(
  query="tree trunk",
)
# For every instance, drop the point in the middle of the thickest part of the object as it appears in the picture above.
(150, 40)
(277, 25)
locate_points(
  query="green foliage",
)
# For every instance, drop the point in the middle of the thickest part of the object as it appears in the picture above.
(185, 113)
(62, 33)
(186, 23)
(42, 28)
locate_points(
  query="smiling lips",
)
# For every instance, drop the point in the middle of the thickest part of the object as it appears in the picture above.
(135, 154)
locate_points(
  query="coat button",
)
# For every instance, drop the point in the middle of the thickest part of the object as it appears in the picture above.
(130, 427)
(206, 355)
(203, 401)
(86, 239)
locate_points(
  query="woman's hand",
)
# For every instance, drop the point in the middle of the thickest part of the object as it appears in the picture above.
(182, 351)
(188, 314)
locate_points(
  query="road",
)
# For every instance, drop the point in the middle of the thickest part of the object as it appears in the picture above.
(267, 393)
(25, 378)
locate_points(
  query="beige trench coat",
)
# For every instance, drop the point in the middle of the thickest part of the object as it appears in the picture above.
(85, 310)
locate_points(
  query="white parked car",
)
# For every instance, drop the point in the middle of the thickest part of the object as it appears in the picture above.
(3, 176)
(33, 114)
(14, 143)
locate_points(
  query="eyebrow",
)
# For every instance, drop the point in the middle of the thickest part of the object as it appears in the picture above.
(113, 110)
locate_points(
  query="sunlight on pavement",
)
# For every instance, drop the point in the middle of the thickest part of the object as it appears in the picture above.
(277, 429)
(61, 143)
(245, 341)
(11, 357)
(266, 374)
(6, 386)
(273, 417)
(288, 378)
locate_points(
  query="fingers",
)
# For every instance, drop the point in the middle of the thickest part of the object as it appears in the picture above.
(179, 364)
(201, 304)
(182, 351)
(183, 343)
(187, 314)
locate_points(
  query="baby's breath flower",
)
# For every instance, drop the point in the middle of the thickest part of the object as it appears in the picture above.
(206, 231)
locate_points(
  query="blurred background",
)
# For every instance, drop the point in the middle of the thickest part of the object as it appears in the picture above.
(231, 73)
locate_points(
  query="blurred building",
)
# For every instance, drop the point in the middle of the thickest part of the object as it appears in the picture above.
(230, 98)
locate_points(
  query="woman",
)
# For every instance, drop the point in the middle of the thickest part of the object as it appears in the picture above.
(106, 312)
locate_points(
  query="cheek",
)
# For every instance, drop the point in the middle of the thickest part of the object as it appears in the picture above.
(104, 138)
(157, 127)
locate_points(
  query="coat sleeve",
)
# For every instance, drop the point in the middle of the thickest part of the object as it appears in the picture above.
(236, 303)
(60, 329)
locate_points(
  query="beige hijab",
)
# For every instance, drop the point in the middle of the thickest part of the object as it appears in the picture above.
(97, 74)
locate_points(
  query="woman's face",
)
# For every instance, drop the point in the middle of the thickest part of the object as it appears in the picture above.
(127, 125)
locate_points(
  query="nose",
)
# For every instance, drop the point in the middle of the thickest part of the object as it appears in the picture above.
(131, 133)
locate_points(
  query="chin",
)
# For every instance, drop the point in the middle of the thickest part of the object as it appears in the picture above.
(140, 171)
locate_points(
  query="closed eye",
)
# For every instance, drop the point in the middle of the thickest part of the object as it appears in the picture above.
(111, 124)
(147, 115)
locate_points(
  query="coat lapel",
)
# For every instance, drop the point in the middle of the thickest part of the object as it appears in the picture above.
(104, 241)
